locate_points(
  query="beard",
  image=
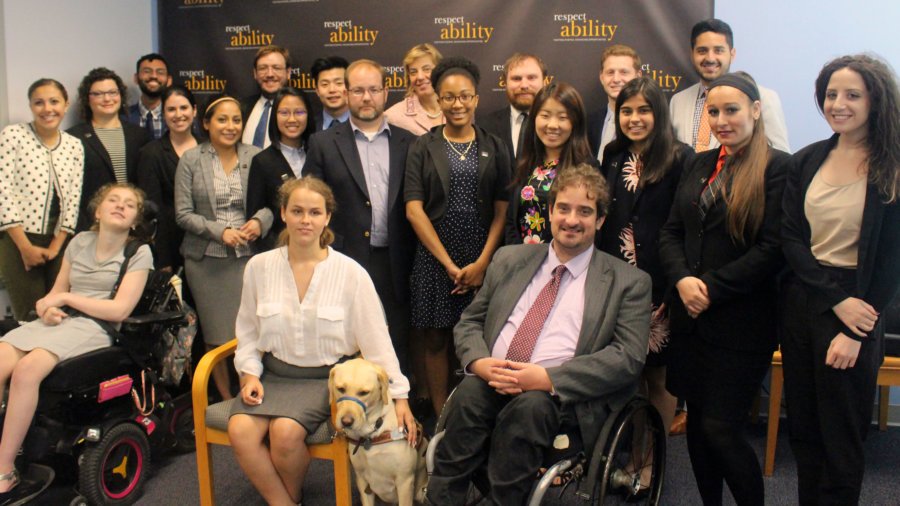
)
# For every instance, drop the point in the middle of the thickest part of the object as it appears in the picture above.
(151, 93)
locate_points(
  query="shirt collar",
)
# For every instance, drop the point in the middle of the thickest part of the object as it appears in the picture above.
(576, 266)
(383, 128)
(328, 119)
(155, 111)
(515, 113)
(290, 149)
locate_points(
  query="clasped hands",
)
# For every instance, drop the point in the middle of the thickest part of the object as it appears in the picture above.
(694, 295)
(248, 232)
(34, 256)
(511, 378)
(48, 308)
(468, 278)
(860, 317)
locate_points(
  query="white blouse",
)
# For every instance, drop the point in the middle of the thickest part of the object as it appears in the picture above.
(340, 315)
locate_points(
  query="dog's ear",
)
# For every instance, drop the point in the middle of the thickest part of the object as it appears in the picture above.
(331, 397)
(383, 381)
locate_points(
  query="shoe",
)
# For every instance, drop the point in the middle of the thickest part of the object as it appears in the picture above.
(679, 424)
(21, 491)
(639, 496)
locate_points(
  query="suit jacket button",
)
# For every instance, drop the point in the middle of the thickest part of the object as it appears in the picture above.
(366, 233)
(368, 204)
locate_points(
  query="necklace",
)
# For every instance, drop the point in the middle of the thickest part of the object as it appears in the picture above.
(435, 115)
(462, 154)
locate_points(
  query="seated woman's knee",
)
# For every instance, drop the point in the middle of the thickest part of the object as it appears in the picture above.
(285, 435)
(245, 430)
(33, 368)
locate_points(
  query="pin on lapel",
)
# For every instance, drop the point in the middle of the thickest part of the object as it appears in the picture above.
(484, 154)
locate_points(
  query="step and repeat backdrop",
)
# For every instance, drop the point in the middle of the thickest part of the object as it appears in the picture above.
(210, 44)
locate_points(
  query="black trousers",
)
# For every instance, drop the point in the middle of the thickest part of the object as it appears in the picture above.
(507, 433)
(396, 311)
(829, 410)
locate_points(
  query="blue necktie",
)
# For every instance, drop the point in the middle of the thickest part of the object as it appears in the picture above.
(259, 137)
(148, 125)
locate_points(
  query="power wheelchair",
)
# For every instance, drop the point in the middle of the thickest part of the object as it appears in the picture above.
(104, 411)
(631, 440)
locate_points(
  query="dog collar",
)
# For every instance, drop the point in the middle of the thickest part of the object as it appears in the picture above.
(353, 399)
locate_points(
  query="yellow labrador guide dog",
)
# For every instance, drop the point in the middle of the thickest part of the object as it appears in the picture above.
(386, 466)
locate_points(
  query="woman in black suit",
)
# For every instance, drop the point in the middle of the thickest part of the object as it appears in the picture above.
(111, 146)
(156, 172)
(720, 248)
(841, 238)
(643, 166)
(282, 160)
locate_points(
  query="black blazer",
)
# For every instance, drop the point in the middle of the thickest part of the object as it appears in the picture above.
(497, 123)
(740, 278)
(333, 156)
(649, 213)
(156, 176)
(428, 174)
(595, 128)
(268, 171)
(98, 168)
(878, 267)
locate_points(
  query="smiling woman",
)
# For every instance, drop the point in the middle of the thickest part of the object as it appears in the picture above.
(420, 110)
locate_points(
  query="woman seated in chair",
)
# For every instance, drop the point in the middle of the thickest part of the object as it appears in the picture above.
(304, 308)
(68, 327)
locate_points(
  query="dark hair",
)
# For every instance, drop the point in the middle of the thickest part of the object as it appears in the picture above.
(712, 25)
(138, 230)
(95, 75)
(214, 102)
(576, 150)
(590, 178)
(313, 184)
(274, 133)
(455, 66)
(150, 57)
(327, 63)
(271, 48)
(883, 135)
(661, 148)
(46, 81)
(177, 89)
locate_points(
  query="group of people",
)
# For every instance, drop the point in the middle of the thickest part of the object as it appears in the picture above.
(653, 246)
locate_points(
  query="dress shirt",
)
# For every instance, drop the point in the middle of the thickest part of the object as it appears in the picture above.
(557, 341)
(295, 157)
(609, 131)
(229, 208)
(159, 126)
(340, 315)
(253, 121)
(328, 120)
(375, 157)
(516, 123)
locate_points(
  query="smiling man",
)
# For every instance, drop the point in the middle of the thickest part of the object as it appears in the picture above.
(554, 340)
(152, 77)
(712, 51)
(331, 90)
(619, 64)
(271, 68)
(524, 75)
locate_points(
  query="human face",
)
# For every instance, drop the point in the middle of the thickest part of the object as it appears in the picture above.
(847, 103)
(225, 125)
(291, 117)
(48, 106)
(573, 221)
(455, 89)
(553, 127)
(118, 210)
(271, 73)
(179, 114)
(330, 88)
(711, 56)
(615, 72)
(731, 117)
(523, 81)
(104, 99)
(365, 93)
(152, 78)
(419, 75)
(636, 120)
(305, 217)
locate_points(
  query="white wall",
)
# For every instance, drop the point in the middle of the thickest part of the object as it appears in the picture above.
(784, 44)
(64, 39)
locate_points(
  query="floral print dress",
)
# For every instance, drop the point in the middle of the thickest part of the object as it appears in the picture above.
(533, 221)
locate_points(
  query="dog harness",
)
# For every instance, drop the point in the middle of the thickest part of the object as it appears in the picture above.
(398, 434)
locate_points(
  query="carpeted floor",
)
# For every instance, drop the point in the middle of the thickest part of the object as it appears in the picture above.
(175, 480)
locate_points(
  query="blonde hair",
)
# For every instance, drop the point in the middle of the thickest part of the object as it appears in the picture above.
(419, 51)
(312, 184)
(139, 195)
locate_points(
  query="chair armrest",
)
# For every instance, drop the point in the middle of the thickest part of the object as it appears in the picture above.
(146, 319)
(200, 386)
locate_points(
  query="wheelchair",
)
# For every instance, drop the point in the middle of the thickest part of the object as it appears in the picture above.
(632, 440)
(104, 411)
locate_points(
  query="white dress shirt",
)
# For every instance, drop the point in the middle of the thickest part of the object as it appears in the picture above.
(609, 131)
(253, 121)
(516, 124)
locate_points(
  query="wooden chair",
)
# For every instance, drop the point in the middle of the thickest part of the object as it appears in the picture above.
(211, 423)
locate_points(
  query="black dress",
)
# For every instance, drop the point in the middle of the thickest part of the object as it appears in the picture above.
(156, 176)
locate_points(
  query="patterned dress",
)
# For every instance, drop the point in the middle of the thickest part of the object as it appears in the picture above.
(463, 236)
(533, 220)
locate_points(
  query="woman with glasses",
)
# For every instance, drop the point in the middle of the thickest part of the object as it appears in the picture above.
(456, 197)
(111, 147)
(420, 111)
(282, 160)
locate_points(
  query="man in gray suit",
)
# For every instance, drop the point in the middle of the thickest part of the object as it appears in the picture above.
(553, 342)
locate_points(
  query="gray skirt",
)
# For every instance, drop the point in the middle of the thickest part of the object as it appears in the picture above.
(299, 393)
(74, 336)
(216, 285)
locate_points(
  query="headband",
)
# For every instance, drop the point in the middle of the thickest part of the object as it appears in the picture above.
(745, 84)
(219, 100)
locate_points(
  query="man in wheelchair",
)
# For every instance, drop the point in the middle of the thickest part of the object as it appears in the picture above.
(553, 342)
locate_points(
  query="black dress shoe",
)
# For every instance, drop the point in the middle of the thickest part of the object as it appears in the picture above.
(21, 493)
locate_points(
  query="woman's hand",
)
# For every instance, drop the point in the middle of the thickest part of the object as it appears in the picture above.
(405, 418)
(34, 256)
(858, 315)
(842, 352)
(252, 229)
(53, 316)
(452, 270)
(251, 390)
(51, 300)
(233, 238)
(469, 278)
(693, 294)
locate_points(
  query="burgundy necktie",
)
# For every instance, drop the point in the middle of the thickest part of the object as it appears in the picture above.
(522, 344)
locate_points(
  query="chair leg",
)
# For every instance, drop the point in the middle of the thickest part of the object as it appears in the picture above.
(205, 474)
(884, 403)
(342, 478)
(775, 391)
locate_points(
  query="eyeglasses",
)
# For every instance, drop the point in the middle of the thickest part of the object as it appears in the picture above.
(150, 72)
(361, 92)
(463, 99)
(287, 113)
(101, 94)
(264, 69)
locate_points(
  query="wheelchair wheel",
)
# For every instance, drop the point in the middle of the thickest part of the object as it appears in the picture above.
(635, 447)
(114, 470)
(183, 430)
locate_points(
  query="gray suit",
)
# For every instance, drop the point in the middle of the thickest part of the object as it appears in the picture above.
(600, 378)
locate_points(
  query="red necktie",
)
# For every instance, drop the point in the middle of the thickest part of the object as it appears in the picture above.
(522, 344)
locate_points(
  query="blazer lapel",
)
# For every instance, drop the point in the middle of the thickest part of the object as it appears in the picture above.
(244, 157)
(346, 145)
(485, 153)
(94, 143)
(208, 175)
(506, 125)
(873, 215)
(508, 294)
(598, 284)
(439, 157)
(396, 170)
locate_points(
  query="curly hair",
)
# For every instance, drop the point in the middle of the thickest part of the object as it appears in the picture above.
(138, 230)
(454, 66)
(84, 90)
